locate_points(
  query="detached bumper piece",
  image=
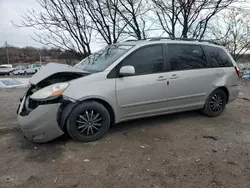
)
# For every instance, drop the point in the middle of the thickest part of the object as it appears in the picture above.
(40, 125)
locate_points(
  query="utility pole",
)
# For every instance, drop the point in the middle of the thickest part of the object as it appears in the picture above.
(7, 52)
(40, 58)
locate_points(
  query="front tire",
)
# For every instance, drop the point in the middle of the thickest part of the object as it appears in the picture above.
(215, 104)
(88, 121)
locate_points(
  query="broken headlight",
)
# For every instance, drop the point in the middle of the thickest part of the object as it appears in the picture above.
(53, 90)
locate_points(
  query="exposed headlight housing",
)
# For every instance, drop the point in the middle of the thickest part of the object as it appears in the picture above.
(69, 99)
(50, 91)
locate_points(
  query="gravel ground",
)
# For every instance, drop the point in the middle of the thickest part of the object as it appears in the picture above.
(181, 150)
(9, 100)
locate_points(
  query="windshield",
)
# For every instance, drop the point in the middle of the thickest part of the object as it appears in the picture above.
(100, 60)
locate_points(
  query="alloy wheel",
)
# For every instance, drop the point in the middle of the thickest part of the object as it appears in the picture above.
(216, 103)
(89, 123)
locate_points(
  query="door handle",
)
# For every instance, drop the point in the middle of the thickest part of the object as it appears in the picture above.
(174, 76)
(161, 78)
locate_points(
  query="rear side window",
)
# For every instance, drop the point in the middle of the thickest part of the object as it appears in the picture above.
(186, 56)
(146, 60)
(218, 57)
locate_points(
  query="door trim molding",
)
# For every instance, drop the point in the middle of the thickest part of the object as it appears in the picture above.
(163, 100)
(162, 111)
(144, 103)
(187, 96)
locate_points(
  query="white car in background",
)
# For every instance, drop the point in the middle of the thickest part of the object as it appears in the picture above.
(5, 70)
(32, 69)
(19, 70)
(9, 66)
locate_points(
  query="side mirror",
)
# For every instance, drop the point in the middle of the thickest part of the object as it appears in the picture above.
(127, 70)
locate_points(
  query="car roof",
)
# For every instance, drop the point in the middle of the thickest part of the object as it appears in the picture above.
(169, 41)
(8, 65)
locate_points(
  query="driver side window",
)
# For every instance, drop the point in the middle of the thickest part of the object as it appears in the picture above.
(146, 60)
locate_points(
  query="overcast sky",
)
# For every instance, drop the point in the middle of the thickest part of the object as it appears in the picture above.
(11, 10)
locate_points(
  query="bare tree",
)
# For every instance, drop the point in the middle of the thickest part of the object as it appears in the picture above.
(105, 18)
(167, 13)
(187, 18)
(134, 14)
(232, 29)
(64, 23)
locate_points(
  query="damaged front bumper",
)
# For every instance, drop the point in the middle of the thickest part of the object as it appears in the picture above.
(40, 125)
(43, 120)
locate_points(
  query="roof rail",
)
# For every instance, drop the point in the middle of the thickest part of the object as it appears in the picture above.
(131, 40)
(184, 39)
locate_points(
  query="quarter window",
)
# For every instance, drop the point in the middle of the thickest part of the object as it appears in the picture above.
(218, 57)
(146, 60)
(185, 56)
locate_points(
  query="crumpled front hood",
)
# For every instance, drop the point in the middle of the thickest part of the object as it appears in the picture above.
(53, 68)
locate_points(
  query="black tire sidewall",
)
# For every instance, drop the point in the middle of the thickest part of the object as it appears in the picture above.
(89, 105)
(207, 110)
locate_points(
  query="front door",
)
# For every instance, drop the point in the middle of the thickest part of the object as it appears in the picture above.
(144, 93)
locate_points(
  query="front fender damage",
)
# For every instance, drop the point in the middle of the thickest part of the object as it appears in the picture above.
(63, 112)
(44, 120)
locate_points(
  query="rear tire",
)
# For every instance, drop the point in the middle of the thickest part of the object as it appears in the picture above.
(88, 121)
(215, 104)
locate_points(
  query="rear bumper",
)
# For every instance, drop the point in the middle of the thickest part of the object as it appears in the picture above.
(40, 125)
(233, 93)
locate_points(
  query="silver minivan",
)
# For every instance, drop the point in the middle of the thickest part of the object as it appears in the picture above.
(125, 81)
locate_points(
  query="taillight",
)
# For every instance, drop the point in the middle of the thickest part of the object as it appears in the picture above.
(237, 70)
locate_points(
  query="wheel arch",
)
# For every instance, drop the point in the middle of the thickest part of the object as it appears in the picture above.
(225, 90)
(206, 109)
(106, 105)
(66, 107)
